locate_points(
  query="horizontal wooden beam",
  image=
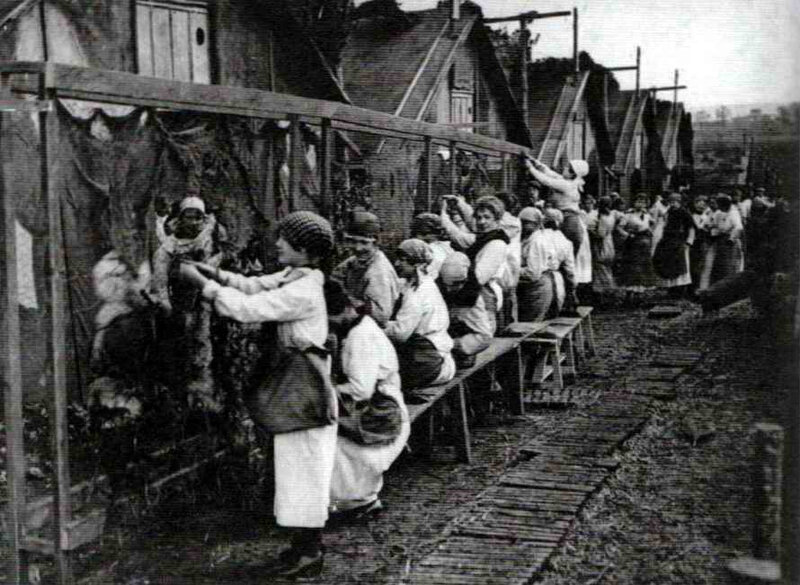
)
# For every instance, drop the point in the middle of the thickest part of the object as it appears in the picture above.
(117, 87)
(532, 15)
(627, 68)
(669, 87)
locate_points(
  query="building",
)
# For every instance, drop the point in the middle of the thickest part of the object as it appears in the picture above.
(431, 66)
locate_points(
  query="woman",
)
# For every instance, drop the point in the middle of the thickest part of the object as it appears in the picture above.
(566, 197)
(699, 248)
(419, 326)
(637, 230)
(563, 264)
(603, 253)
(671, 260)
(369, 365)
(487, 249)
(536, 288)
(724, 257)
(659, 213)
(293, 297)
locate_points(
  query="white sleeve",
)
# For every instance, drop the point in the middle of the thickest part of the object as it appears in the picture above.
(489, 260)
(360, 364)
(458, 236)
(408, 319)
(252, 284)
(296, 300)
(550, 179)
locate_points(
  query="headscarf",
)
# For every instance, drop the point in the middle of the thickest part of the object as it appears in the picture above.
(493, 204)
(192, 202)
(426, 223)
(581, 168)
(531, 214)
(455, 268)
(416, 251)
(553, 215)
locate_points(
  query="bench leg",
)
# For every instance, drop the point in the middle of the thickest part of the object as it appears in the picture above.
(513, 379)
(571, 369)
(591, 334)
(580, 343)
(458, 405)
(557, 367)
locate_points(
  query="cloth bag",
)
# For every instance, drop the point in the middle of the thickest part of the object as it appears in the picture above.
(373, 422)
(294, 395)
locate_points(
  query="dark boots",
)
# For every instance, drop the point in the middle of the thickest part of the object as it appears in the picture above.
(305, 558)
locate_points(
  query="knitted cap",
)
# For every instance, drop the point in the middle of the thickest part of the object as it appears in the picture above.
(416, 251)
(193, 203)
(426, 223)
(455, 268)
(363, 224)
(554, 215)
(492, 203)
(531, 214)
(307, 230)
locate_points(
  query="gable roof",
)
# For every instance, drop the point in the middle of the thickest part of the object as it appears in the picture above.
(551, 115)
(626, 111)
(395, 66)
(668, 118)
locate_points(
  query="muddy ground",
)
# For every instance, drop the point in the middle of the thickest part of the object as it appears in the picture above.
(676, 510)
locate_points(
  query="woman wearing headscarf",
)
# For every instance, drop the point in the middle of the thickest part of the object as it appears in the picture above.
(671, 260)
(536, 286)
(487, 249)
(419, 325)
(724, 256)
(563, 263)
(637, 265)
(428, 228)
(566, 197)
(603, 252)
(369, 365)
(294, 299)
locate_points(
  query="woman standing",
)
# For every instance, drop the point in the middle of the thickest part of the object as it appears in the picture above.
(725, 251)
(671, 260)
(566, 197)
(419, 326)
(637, 267)
(697, 254)
(369, 366)
(293, 298)
(603, 253)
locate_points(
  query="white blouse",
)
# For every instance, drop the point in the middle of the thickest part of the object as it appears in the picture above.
(424, 312)
(292, 297)
(368, 357)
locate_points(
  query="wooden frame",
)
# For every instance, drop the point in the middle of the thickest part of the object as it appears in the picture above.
(50, 82)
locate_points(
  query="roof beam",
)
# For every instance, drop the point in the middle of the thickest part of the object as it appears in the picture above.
(528, 16)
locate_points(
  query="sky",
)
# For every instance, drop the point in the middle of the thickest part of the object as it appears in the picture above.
(727, 51)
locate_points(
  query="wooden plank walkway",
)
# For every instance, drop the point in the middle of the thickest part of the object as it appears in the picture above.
(509, 534)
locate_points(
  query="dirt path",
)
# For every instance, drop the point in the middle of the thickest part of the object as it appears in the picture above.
(660, 515)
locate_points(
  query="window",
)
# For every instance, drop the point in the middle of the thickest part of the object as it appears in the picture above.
(461, 108)
(172, 40)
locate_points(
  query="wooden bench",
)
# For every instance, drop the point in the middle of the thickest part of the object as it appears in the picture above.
(456, 393)
(558, 345)
(585, 331)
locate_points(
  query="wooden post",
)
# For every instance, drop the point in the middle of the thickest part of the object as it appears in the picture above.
(575, 39)
(325, 156)
(428, 169)
(295, 161)
(16, 565)
(524, 39)
(767, 483)
(49, 132)
(638, 69)
(504, 163)
(453, 169)
(675, 92)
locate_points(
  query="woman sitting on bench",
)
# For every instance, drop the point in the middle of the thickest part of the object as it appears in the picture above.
(470, 326)
(419, 325)
(369, 371)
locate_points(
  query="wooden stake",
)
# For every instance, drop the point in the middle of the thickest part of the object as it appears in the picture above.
(325, 157)
(295, 161)
(638, 69)
(49, 132)
(16, 562)
(575, 39)
(428, 166)
(453, 169)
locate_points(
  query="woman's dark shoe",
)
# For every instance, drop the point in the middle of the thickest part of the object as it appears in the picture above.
(300, 567)
(359, 514)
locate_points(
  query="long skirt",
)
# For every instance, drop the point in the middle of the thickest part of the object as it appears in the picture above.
(603, 257)
(358, 471)
(575, 231)
(304, 463)
(535, 298)
(727, 259)
(637, 268)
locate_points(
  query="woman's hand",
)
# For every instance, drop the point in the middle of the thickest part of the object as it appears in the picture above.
(190, 273)
(206, 269)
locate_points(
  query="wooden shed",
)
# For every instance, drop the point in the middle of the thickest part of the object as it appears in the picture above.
(434, 67)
